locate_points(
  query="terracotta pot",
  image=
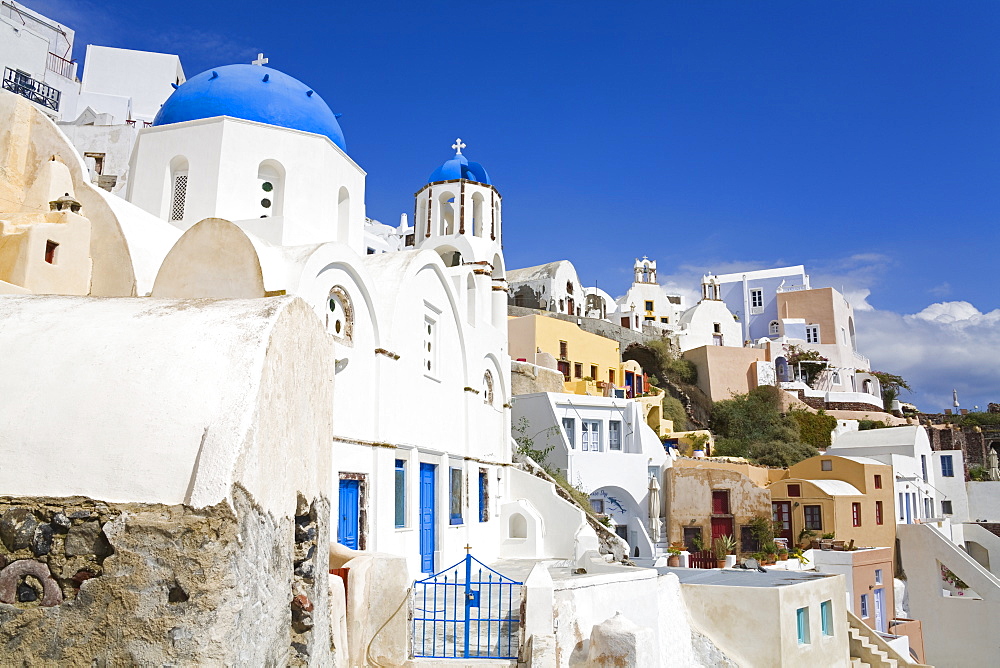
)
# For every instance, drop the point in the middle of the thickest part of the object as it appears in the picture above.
(674, 560)
(720, 563)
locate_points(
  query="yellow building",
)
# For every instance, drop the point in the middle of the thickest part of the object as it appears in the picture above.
(590, 364)
(850, 497)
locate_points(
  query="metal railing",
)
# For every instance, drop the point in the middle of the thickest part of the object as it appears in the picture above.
(60, 65)
(20, 83)
(461, 614)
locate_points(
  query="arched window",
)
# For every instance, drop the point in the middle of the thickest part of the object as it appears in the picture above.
(343, 214)
(178, 188)
(488, 388)
(772, 329)
(495, 227)
(470, 296)
(477, 214)
(270, 188)
(446, 213)
(340, 315)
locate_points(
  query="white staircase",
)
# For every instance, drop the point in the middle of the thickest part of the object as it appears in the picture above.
(870, 649)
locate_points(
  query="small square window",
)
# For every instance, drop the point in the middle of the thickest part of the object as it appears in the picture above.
(569, 426)
(794, 490)
(878, 576)
(563, 350)
(826, 464)
(756, 298)
(649, 305)
(51, 248)
(593, 372)
(946, 508)
(597, 505)
(577, 370)
(878, 481)
(665, 321)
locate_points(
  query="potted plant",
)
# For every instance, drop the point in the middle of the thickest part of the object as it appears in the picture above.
(722, 546)
(674, 558)
(771, 552)
(806, 538)
(782, 554)
(697, 544)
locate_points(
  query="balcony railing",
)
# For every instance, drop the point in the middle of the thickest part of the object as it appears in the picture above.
(792, 288)
(60, 65)
(36, 91)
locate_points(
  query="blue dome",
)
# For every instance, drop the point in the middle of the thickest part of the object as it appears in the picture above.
(460, 168)
(253, 93)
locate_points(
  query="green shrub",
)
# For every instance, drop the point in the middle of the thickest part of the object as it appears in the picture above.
(814, 428)
(681, 370)
(864, 425)
(673, 409)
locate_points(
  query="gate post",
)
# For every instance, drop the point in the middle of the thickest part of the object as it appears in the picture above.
(468, 598)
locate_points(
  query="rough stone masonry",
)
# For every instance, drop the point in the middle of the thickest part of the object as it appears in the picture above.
(91, 583)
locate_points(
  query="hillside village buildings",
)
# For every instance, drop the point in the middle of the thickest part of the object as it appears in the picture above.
(246, 424)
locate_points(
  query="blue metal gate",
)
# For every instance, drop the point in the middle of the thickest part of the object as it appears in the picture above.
(467, 611)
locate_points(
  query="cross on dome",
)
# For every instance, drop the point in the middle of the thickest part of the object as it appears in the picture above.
(458, 146)
(261, 60)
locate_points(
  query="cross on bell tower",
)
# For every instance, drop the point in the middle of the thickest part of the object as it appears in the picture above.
(261, 60)
(458, 146)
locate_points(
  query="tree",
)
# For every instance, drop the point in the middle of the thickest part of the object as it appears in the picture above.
(891, 387)
(752, 426)
(811, 363)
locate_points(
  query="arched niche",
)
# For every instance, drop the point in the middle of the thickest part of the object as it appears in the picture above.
(176, 189)
(270, 191)
(343, 214)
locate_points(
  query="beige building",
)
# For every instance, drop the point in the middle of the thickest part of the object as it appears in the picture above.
(850, 497)
(777, 619)
(708, 499)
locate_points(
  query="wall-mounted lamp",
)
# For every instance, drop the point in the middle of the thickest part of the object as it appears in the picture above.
(795, 505)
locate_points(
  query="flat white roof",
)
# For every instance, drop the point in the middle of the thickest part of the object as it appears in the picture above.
(759, 274)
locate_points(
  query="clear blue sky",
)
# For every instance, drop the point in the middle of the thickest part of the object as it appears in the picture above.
(858, 138)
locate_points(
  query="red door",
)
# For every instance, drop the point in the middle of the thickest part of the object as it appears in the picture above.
(721, 526)
(782, 512)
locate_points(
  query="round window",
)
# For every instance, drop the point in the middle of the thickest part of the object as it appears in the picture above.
(267, 186)
(340, 318)
(266, 203)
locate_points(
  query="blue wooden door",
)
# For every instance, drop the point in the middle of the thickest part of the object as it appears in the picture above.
(347, 527)
(427, 546)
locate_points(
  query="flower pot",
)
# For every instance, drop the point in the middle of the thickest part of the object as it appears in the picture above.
(674, 560)
(720, 563)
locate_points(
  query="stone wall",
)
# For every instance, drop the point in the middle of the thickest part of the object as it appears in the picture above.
(141, 584)
(970, 440)
(527, 378)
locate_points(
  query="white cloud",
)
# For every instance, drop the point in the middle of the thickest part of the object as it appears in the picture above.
(946, 346)
(959, 314)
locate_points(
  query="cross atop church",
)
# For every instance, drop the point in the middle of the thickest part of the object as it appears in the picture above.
(261, 60)
(458, 146)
